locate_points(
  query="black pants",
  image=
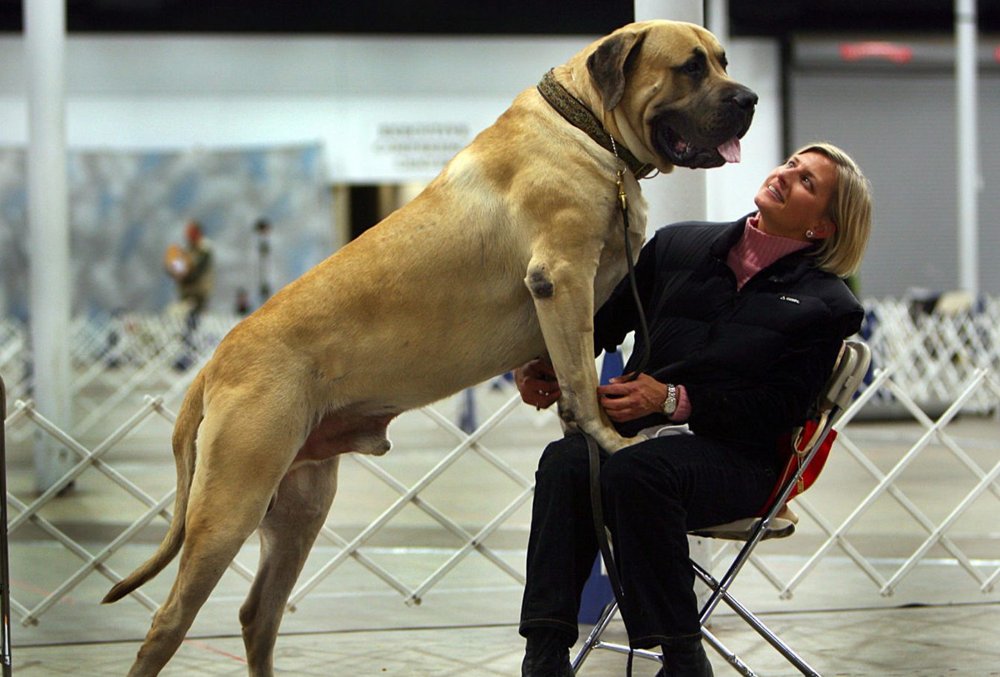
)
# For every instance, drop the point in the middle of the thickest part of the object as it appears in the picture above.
(653, 493)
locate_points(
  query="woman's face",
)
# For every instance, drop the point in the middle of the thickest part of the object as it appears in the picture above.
(795, 196)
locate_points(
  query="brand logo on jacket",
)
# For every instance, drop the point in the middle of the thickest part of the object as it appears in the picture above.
(790, 299)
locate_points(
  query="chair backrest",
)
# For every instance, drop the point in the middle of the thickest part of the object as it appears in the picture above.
(854, 361)
(848, 372)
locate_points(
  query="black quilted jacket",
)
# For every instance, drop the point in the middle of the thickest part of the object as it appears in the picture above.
(752, 360)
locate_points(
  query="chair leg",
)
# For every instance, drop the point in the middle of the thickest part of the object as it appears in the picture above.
(771, 638)
(593, 640)
(730, 657)
(759, 627)
(595, 635)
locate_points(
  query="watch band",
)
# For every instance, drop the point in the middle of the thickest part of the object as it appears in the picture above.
(670, 404)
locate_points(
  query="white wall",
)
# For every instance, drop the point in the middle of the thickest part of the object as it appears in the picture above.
(163, 92)
(170, 92)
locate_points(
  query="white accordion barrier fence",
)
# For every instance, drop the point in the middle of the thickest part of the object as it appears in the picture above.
(931, 371)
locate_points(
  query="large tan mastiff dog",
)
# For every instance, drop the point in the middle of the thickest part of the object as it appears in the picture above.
(501, 259)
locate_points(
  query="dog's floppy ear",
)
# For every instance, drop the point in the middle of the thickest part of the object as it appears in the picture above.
(608, 63)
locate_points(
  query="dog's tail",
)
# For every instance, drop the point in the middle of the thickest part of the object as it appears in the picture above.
(185, 432)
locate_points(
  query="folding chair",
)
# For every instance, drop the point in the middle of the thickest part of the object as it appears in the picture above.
(810, 446)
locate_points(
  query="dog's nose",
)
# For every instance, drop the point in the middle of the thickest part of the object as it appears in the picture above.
(744, 98)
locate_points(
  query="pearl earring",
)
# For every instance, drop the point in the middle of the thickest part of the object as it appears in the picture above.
(810, 234)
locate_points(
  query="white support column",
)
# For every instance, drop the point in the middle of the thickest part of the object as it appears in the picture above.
(967, 151)
(682, 194)
(48, 224)
(717, 20)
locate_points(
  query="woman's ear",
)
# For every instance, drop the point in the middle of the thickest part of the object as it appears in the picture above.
(824, 229)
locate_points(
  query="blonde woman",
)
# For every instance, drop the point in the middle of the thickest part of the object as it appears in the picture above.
(745, 323)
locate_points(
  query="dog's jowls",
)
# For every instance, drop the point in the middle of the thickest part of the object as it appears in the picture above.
(503, 258)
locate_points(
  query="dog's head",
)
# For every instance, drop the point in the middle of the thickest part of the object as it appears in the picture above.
(664, 89)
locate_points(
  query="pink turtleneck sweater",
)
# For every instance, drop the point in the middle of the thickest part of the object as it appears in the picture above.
(754, 252)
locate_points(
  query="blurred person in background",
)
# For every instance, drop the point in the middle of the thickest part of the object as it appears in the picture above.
(191, 269)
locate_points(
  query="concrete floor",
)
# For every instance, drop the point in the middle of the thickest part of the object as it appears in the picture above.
(936, 623)
(913, 642)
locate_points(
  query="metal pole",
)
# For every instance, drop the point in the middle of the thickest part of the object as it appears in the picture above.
(4, 558)
(966, 114)
(718, 20)
(683, 195)
(48, 223)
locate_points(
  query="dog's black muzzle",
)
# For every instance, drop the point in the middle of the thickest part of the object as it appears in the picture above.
(700, 141)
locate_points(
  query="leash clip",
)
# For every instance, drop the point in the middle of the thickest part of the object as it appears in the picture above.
(619, 173)
(622, 198)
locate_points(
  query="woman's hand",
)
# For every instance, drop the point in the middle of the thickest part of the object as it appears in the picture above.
(536, 381)
(629, 400)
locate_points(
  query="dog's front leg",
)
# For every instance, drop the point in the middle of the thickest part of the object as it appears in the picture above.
(563, 292)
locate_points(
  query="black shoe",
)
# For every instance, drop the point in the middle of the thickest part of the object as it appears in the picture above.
(685, 660)
(546, 654)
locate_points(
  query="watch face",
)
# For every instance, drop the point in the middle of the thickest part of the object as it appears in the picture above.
(670, 404)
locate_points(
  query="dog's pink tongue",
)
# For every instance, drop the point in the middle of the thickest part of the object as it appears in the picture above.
(731, 151)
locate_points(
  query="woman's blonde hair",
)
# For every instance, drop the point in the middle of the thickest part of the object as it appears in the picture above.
(850, 209)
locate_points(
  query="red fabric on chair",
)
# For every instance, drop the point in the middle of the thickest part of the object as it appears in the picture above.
(791, 466)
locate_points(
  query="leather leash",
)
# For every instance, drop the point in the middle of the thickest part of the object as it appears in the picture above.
(593, 452)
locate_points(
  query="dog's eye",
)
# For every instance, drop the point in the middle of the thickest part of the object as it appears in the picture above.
(696, 66)
(693, 67)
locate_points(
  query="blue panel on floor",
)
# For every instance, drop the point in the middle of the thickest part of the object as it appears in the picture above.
(596, 595)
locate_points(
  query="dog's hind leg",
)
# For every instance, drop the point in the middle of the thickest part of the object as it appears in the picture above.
(243, 452)
(286, 536)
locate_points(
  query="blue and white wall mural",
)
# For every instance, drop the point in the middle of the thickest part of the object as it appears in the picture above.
(127, 208)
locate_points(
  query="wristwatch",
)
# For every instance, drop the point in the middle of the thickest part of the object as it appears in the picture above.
(670, 404)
